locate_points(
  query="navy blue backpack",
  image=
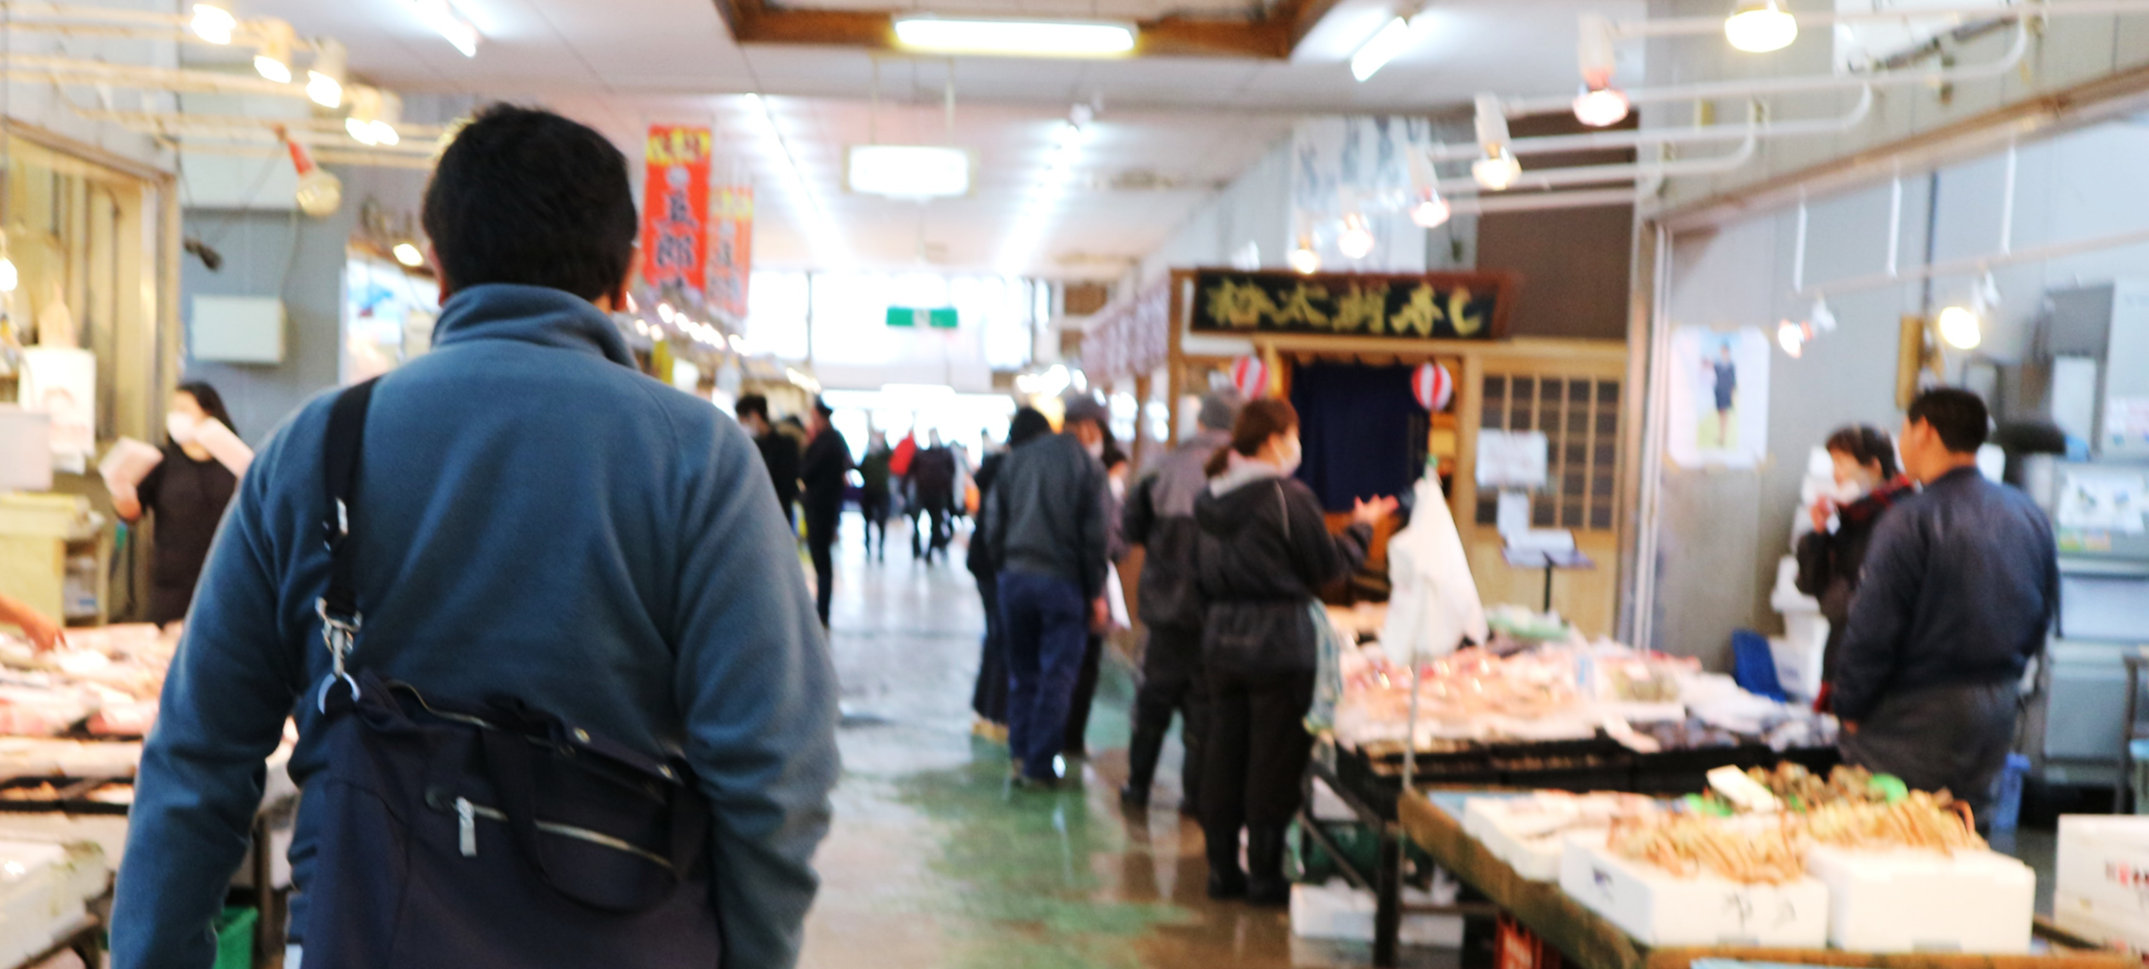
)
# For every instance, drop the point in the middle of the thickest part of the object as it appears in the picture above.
(493, 835)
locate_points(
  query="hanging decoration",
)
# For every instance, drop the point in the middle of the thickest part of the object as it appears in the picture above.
(1434, 387)
(675, 207)
(1251, 377)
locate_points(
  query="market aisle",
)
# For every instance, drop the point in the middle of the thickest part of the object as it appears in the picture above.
(934, 862)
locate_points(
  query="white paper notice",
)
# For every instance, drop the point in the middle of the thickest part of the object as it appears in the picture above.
(1511, 459)
(1514, 513)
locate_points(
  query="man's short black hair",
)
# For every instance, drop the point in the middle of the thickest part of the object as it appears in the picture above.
(752, 404)
(1958, 416)
(526, 196)
(820, 406)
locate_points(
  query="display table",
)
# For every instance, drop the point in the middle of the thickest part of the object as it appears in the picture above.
(1590, 942)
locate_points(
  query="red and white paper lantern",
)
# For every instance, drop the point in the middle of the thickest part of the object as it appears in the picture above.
(1251, 377)
(1433, 387)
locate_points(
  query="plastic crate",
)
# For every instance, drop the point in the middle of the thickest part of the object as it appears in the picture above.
(235, 937)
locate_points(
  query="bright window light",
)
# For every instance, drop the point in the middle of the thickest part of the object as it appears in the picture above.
(909, 171)
(1030, 38)
(450, 25)
(1381, 48)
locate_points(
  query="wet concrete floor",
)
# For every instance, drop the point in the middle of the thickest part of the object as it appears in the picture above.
(934, 861)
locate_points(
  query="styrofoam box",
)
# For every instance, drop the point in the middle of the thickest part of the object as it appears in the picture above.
(1925, 901)
(1338, 911)
(2075, 915)
(2103, 864)
(44, 890)
(1659, 908)
(1535, 859)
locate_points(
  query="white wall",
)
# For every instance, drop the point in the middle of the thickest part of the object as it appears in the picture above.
(1722, 532)
(42, 105)
(1255, 207)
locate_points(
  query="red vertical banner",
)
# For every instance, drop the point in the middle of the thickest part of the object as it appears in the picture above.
(675, 206)
(731, 259)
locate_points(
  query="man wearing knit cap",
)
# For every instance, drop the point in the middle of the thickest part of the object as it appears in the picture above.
(1046, 534)
(1160, 516)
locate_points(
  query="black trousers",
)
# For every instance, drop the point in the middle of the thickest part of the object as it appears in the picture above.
(1257, 749)
(875, 509)
(1085, 695)
(989, 698)
(820, 541)
(1172, 683)
(932, 529)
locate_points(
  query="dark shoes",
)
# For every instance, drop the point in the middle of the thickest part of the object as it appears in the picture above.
(1265, 884)
(1134, 798)
(1226, 883)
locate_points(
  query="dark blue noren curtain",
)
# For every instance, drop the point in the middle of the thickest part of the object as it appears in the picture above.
(1362, 429)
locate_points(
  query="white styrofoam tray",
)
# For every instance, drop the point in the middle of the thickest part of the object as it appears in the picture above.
(1659, 908)
(2073, 913)
(45, 890)
(1925, 901)
(2103, 864)
(1534, 857)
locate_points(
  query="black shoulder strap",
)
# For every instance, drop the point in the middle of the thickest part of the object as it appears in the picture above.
(341, 451)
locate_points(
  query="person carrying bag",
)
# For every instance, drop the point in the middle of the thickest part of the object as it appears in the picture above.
(555, 708)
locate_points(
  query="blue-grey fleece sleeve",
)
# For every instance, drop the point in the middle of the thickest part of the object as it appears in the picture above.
(759, 693)
(231, 685)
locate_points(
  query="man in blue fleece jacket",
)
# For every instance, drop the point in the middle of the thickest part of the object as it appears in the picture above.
(539, 520)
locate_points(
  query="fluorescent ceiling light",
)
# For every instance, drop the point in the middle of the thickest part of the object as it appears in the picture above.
(909, 171)
(213, 24)
(443, 18)
(1030, 38)
(1381, 48)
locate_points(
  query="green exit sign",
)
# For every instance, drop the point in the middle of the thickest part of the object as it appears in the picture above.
(911, 316)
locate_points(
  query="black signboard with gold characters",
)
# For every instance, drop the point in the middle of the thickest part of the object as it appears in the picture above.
(1439, 306)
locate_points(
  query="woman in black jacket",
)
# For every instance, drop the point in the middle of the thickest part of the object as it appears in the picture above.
(1828, 562)
(1263, 551)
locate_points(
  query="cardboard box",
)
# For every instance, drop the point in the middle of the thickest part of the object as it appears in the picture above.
(1338, 911)
(1925, 901)
(2103, 865)
(1658, 908)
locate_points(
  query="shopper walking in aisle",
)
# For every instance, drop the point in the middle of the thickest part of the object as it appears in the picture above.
(988, 699)
(1076, 743)
(826, 470)
(1867, 485)
(779, 451)
(1264, 551)
(608, 563)
(875, 497)
(932, 485)
(1160, 517)
(186, 493)
(1961, 582)
(1046, 531)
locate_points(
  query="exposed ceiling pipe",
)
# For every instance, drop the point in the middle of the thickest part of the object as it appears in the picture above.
(1613, 140)
(1521, 107)
(327, 156)
(1679, 26)
(1974, 265)
(417, 138)
(1593, 174)
(67, 70)
(1535, 201)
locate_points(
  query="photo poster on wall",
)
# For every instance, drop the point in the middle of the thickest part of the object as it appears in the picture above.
(62, 382)
(1719, 397)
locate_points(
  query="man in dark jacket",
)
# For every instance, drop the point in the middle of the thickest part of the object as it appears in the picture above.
(875, 494)
(826, 471)
(1045, 524)
(1160, 517)
(932, 486)
(779, 452)
(1960, 586)
(612, 563)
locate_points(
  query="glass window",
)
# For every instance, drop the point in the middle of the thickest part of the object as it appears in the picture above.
(776, 308)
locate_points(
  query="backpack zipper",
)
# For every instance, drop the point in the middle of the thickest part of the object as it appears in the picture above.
(468, 812)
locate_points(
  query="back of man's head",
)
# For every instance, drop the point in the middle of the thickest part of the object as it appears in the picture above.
(526, 196)
(1957, 416)
(752, 405)
(1219, 410)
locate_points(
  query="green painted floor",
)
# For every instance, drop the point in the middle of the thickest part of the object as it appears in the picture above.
(935, 862)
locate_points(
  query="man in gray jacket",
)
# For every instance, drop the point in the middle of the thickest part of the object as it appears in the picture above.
(1045, 520)
(1160, 517)
(540, 521)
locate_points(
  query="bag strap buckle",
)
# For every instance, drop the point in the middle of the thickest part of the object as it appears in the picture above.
(339, 632)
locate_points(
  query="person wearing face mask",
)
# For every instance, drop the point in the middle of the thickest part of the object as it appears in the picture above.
(186, 492)
(1047, 534)
(1829, 559)
(1263, 553)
